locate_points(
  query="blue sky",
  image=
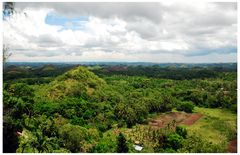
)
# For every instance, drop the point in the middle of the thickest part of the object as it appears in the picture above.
(146, 32)
(74, 23)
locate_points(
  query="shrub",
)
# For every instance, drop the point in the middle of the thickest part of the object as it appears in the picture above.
(186, 106)
(74, 137)
(233, 108)
(106, 144)
(174, 141)
(196, 144)
(181, 131)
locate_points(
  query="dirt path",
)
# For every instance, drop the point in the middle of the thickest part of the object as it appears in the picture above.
(232, 147)
(181, 118)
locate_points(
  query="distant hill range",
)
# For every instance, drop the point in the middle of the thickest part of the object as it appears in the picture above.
(175, 65)
(16, 70)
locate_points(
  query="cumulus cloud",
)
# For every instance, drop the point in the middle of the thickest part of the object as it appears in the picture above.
(158, 32)
(126, 11)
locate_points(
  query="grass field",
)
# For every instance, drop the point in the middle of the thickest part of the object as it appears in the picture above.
(216, 125)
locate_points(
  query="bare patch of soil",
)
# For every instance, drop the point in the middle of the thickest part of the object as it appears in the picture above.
(232, 147)
(180, 118)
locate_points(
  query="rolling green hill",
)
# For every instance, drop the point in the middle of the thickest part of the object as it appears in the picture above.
(76, 82)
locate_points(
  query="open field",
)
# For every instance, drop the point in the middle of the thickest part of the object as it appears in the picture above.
(181, 118)
(216, 125)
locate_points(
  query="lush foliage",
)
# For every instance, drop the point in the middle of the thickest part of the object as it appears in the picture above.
(186, 106)
(71, 109)
(121, 144)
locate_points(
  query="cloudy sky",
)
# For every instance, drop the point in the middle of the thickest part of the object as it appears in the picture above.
(143, 32)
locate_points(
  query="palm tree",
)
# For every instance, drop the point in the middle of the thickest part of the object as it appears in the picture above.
(43, 143)
(37, 142)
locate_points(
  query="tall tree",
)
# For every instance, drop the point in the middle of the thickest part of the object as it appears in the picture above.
(121, 144)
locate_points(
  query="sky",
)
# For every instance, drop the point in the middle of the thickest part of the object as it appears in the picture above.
(122, 32)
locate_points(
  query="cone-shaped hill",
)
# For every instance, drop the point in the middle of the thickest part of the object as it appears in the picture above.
(48, 67)
(76, 82)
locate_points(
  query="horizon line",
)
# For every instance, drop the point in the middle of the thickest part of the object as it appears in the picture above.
(118, 62)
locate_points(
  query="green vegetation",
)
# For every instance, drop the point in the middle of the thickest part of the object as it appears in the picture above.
(186, 106)
(57, 109)
(217, 125)
(181, 131)
(121, 144)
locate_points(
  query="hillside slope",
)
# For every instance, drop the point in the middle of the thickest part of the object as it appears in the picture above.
(76, 82)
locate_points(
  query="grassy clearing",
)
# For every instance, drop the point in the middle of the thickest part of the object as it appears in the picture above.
(216, 126)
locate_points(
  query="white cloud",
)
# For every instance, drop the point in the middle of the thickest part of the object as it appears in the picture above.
(124, 32)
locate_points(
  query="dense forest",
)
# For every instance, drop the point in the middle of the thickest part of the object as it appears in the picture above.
(119, 108)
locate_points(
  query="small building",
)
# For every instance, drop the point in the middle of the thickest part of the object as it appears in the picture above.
(138, 147)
